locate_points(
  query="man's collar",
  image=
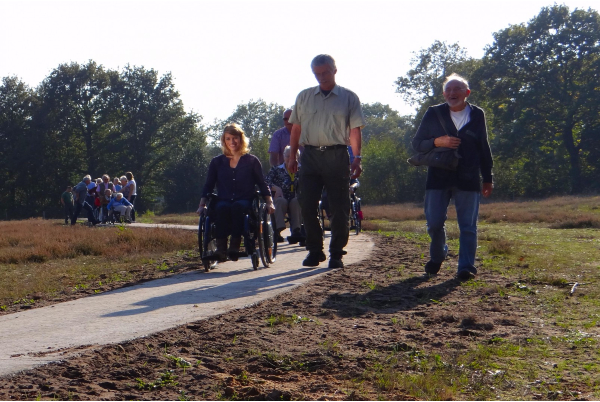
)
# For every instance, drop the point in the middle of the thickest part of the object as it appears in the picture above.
(335, 90)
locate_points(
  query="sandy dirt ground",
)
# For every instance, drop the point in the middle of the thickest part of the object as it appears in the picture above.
(315, 342)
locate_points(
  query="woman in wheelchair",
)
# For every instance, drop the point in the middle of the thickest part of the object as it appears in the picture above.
(236, 174)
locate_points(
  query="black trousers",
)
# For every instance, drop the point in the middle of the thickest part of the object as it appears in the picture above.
(68, 209)
(88, 208)
(133, 209)
(330, 169)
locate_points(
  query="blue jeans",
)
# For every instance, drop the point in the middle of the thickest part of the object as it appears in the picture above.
(230, 217)
(467, 211)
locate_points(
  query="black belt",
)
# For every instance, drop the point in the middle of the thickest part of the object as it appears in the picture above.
(326, 148)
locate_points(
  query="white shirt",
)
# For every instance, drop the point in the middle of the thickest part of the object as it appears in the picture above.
(461, 118)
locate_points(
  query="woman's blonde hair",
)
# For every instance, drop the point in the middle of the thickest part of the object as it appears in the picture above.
(234, 129)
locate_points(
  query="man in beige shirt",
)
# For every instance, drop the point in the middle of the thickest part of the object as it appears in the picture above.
(326, 119)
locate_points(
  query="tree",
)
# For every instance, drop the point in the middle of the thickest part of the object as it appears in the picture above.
(385, 122)
(185, 174)
(73, 118)
(423, 83)
(150, 125)
(17, 102)
(387, 177)
(541, 81)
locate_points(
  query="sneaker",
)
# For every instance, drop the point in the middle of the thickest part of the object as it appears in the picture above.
(336, 262)
(465, 275)
(279, 238)
(313, 258)
(432, 268)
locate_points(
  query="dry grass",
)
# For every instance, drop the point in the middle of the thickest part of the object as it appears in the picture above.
(558, 212)
(394, 212)
(190, 218)
(38, 256)
(37, 240)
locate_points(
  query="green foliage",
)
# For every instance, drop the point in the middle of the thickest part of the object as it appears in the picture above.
(541, 82)
(538, 83)
(86, 119)
(387, 176)
(385, 122)
(423, 83)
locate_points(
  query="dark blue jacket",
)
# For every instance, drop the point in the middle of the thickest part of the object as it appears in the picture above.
(474, 149)
(235, 183)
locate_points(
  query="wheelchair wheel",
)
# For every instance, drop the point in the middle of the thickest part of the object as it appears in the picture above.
(267, 247)
(358, 219)
(255, 260)
(206, 244)
(322, 219)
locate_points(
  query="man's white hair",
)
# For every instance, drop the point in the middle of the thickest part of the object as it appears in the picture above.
(455, 77)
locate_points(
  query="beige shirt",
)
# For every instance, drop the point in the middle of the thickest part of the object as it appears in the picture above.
(327, 120)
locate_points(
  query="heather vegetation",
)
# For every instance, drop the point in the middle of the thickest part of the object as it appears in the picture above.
(40, 259)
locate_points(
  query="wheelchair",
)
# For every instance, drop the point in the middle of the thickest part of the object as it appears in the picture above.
(257, 229)
(356, 214)
(323, 206)
(354, 218)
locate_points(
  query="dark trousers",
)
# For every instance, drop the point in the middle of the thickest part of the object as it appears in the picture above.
(88, 208)
(230, 217)
(329, 169)
(133, 208)
(68, 209)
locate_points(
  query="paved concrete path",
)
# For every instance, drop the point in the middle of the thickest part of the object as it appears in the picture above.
(39, 336)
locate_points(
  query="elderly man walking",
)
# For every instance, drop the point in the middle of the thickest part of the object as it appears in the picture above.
(80, 192)
(326, 119)
(464, 128)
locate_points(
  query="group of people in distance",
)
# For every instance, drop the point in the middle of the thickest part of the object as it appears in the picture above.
(103, 195)
(326, 121)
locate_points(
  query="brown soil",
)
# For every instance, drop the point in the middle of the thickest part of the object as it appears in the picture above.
(306, 344)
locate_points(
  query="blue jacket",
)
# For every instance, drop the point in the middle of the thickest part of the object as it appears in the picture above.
(114, 202)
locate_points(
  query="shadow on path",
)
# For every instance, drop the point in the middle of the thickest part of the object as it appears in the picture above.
(217, 292)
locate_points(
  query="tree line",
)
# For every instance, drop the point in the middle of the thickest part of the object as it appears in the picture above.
(538, 83)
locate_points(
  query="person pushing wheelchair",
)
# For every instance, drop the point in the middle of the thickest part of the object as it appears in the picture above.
(236, 174)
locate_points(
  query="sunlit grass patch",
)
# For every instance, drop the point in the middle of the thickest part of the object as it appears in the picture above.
(190, 218)
(500, 246)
